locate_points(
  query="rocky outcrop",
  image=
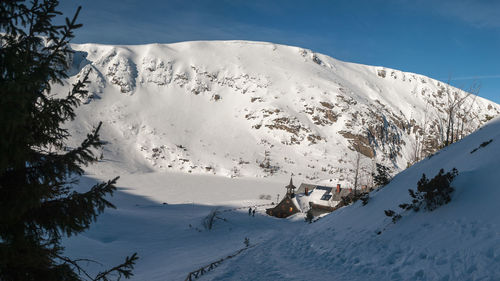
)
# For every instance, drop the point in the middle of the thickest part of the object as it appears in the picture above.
(225, 107)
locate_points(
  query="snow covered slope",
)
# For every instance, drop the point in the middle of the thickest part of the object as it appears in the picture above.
(457, 241)
(236, 108)
(160, 215)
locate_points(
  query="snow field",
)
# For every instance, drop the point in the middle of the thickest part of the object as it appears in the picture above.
(189, 125)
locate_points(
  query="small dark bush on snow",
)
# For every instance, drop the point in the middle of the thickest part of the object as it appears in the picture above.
(382, 177)
(389, 213)
(309, 216)
(209, 220)
(482, 145)
(432, 193)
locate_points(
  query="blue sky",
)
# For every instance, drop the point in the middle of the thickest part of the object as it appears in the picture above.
(457, 39)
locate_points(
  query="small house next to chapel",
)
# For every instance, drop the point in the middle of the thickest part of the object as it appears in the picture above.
(320, 199)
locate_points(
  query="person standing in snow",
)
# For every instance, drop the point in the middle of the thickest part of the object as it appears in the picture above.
(249, 210)
(253, 212)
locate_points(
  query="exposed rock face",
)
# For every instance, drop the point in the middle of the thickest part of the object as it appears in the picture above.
(228, 107)
(156, 71)
(119, 70)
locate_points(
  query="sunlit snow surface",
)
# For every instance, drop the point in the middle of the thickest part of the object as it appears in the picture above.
(153, 118)
(458, 241)
(218, 107)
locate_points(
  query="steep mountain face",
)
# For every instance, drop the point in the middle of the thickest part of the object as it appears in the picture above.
(237, 108)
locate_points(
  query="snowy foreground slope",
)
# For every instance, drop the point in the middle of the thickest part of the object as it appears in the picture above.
(253, 109)
(458, 241)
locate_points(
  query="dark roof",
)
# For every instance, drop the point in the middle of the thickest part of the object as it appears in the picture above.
(290, 185)
(302, 187)
(284, 208)
(325, 188)
(326, 197)
(311, 187)
(328, 190)
(338, 196)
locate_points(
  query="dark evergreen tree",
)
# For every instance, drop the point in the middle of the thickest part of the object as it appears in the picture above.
(389, 213)
(309, 216)
(38, 204)
(382, 177)
(434, 192)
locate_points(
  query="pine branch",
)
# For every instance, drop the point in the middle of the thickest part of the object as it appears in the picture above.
(124, 269)
(75, 264)
(74, 213)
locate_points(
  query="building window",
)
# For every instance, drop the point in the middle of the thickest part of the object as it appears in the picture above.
(291, 209)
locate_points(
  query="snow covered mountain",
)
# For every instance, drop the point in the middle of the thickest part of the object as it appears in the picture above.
(177, 114)
(236, 108)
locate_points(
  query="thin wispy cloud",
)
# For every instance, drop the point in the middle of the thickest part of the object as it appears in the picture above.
(475, 77)
(479, 13)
